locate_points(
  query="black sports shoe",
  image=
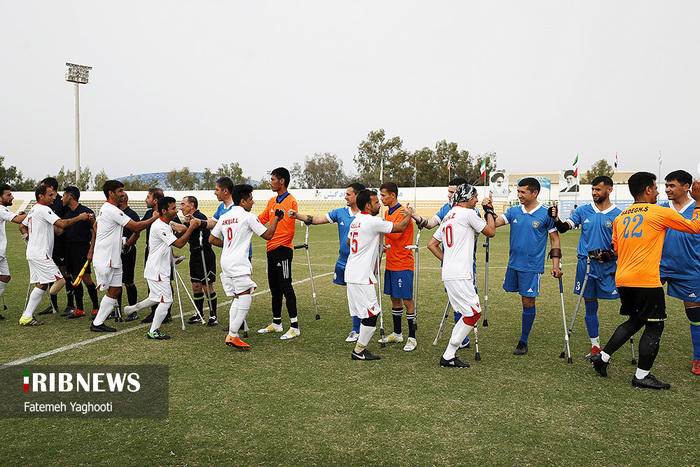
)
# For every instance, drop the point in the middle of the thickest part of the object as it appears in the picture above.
(47, 311)
(68, 311)
(453, 363)
(101, 328)
(364, 355)
(520, 349)
(168, 318)
(132, 317)
(213, 321)
(195, 320)
(148, 319)
(649, 382)
(157, 335)
(600, 366)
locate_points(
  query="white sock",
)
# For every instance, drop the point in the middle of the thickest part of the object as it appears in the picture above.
(34, 300)
(145, 304)
(605, 357)
(459, 332)
(161, 313)
(232, 314)
(106, 306)
(2, 287)
(366, 333)
(641, 374)
(242, 303)
(595, 341)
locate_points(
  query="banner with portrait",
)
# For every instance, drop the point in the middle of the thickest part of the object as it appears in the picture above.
(498, 184)
(568, 182)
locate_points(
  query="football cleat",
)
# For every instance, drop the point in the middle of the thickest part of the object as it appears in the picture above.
(352, 337)
(453, 363)
(131, 316)
(69, 311)
(364, 355)
(391, 338)
(236, 342)
(195, 320)
(77, 313)
(101, 328)
(649, 382)
(593, 351)
(410, 345)
(30, 322)
(272, 327)
(520, 349)
(599, 365)
(290, 334)
(696, 367)
(213, 321)
(47, 311)
(93, 314)
(157, 335)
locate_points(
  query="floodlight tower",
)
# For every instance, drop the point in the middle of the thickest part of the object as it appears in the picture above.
(77, 74)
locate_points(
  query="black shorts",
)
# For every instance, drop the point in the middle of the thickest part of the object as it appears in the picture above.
(76, 256)
(128, 266)
(197, 268)
(642, 302)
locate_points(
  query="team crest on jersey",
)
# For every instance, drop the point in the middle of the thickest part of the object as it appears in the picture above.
(608, 224)
(535, 224)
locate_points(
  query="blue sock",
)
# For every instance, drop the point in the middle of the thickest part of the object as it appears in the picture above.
(528, 318)
(356, 324)
(592, 318)
(695, 337)
(457, 318)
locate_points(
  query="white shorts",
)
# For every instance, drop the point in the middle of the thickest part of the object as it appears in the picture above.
(4, 267)
(160, 291)
(107, 277)
(43, 271)
(462, 297)
(362, 299)
(236, 285)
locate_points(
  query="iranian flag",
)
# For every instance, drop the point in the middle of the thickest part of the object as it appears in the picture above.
(576, 166)
(483, 169)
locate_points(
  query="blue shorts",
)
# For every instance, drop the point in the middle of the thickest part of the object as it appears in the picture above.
(687, 289)
(339, 275)
(527, 284)
(398, 284)
(601, 284)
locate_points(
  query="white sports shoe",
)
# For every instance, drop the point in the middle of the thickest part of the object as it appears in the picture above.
(352, 337)
(391, 338)
(290, 334)
(410, 345)
(272, 327)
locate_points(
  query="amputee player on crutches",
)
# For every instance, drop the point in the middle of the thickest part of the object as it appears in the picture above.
(457, 233)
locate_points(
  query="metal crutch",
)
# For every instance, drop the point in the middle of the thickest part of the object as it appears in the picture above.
(416, 249)
(311, 275)
(486, 284)
(442, 323)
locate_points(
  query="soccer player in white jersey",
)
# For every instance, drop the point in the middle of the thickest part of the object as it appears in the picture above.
(6, 215)
(39, 224)
(457, 233)
(364, 241)
(233, 232)
(107, 248)
(159, 264)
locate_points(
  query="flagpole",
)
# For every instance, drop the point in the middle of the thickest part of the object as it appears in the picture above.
(658, 179)
(615, 173)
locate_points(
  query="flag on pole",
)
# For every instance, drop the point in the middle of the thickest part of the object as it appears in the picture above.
(449, 165)
(483, 169)
(615, 161)
(660, 159)
(576, 166)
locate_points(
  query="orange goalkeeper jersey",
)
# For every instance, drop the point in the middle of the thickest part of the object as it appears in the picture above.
(285, 228)
(638, 236)
(398, 258)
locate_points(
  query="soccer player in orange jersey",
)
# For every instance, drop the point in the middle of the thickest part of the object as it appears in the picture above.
(638, 239)
(398, 276)
(279, 255)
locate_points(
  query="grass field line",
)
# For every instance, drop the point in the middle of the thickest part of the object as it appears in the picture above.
(118, 333)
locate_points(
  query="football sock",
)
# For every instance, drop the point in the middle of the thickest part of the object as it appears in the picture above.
(294, 323)
(622, 334)
(356, 324)
(592, 318)
(460, 331)
(694, 317)
(411, 318)
(527, 320)
(34, 300)
(232, 314)
(604, 356)
(641, 374)
(145, 304)
(92, 292)
(70, 293)
(106, 307)
(396, 315)
(242, 304)
(161, 312)
(595, 341)
(131, 293)
(212, 298)
(54, 301)
(199, 302)
(649, 344)
(78, 293)
(366, 333)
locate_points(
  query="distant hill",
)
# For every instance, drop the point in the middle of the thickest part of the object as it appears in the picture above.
(161, 178)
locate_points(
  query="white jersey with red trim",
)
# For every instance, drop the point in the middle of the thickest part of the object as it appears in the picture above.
(160, 251)
(236, 227)
(108, 241)
(5, 216)
(40, 223)
(364, 247)
(457, 233)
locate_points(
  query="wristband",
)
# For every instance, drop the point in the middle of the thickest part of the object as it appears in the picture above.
(423, 222)
(561, 226)
(309, 220)
(555, 253)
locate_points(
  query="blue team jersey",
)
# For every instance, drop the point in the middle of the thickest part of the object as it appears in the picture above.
(343, 217)
(221, 210)
(681, 254)
(528, 237)
(596, 227)
(443, 211)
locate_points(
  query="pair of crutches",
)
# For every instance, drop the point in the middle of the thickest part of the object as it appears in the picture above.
(578, 304)
(416, 252)
(477, 355)
(305, 246)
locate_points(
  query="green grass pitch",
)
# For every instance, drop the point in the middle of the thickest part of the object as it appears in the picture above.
(305, 402)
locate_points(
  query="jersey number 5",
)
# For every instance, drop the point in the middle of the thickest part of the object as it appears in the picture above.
(353, 242)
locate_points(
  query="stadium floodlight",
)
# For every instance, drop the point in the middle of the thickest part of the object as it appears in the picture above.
(77, 74)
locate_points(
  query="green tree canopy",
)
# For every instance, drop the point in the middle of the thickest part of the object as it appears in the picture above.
(600, 167)
(376, 151)
(320, 171)
(183, 179)
(14, 178)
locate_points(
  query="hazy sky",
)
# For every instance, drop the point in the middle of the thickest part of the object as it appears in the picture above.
(266, 83)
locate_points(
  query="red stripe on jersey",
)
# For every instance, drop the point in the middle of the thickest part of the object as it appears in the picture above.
(370, 312)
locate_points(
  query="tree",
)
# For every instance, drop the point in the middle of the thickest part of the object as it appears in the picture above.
(376, 151)
(66, 177)
(181, 180)
(208, 180)
(14, 178)
(100, 178)
(600, 167)
(232, 171)
(138, 184)
(320, 171)
(432, 164)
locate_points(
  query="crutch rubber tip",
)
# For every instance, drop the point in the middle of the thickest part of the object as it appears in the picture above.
(477, 357)
(486, 323)
(570, 360)
(561, 355)
(634, 361)
(245, 333)
(318, 317)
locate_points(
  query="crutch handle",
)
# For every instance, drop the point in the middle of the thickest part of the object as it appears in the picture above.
(305, 245)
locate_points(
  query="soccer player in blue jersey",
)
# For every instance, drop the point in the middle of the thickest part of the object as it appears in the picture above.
(530, 225)
(596, 223)
(343, 217)
(683, 277)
